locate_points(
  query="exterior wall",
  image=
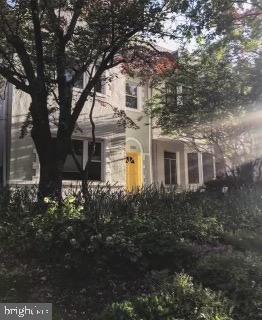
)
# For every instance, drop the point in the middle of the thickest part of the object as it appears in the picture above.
(5, 121)
(24, 167)
(117, 140)
(140, 139)
(21, 150)
(181, 150)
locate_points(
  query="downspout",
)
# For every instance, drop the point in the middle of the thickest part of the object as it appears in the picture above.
(149, 94)
(2, 141)
(7, 132)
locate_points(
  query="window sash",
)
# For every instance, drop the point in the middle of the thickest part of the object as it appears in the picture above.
(170, 168)
(131, 97)
(79, 84)
(193, 168)
(71, 171)
(208, 166)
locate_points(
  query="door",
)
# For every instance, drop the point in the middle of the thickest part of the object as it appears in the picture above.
(133, 171)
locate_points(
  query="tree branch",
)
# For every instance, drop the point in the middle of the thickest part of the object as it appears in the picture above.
(77, 11)
(38, 40)
(23, 55)
(6, 73)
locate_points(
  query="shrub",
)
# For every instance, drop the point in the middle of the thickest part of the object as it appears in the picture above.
(239, 276)
(180, 299)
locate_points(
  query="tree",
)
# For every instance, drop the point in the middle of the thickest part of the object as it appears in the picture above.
(208, 98)
(47, 46)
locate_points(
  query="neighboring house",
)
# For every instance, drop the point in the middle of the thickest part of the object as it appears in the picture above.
(124, 156)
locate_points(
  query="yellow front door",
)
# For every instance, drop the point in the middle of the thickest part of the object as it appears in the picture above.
(133, 171)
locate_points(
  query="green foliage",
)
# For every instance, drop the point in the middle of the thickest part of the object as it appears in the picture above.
(213, 236)
(239, 276)
(180, 299)
(115, 227)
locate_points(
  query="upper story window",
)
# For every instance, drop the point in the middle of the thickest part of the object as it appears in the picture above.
(71, 170)
(193, 168)
(79, 83)
(99, 85)
(131, 95)
(170, 168)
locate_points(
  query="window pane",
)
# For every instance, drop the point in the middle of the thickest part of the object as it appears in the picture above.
(170, 168)
(98, 86)
(193, 174)
(79, 83)
(71, 171)
(131, 95)
(94, 173)
(173, 171)
(97, 155)
(95, 170)
(167, 171)
(169, 155)
(208, 167)
(131, 102)
(131, 89)
(77, 146)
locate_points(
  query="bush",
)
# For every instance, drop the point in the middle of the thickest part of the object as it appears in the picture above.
(177, 300)
(122, 237)
(239, 276)
(73, 235)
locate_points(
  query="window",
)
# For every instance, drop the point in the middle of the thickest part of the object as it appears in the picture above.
(170, 168)
(193, 172)
(95, 170)
(100, 84)
(79, 83)
(71, 171)
(131, 95)
(208, 166)
(171, 95)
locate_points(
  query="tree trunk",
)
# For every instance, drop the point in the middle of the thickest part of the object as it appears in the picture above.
(50, 181)
(51, 157)
(52, 154)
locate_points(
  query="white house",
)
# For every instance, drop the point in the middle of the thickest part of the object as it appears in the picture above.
(126, 157)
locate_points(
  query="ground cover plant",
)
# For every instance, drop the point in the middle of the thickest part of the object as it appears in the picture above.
(156, 254)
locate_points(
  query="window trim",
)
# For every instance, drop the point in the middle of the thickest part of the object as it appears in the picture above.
(200, 167)
(178, 173)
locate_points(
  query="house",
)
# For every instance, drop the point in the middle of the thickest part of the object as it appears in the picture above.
(124, 156)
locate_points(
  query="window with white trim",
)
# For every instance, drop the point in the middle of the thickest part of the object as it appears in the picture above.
(72, 163)
(193, 168)
(170, 168)
(131, 95)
